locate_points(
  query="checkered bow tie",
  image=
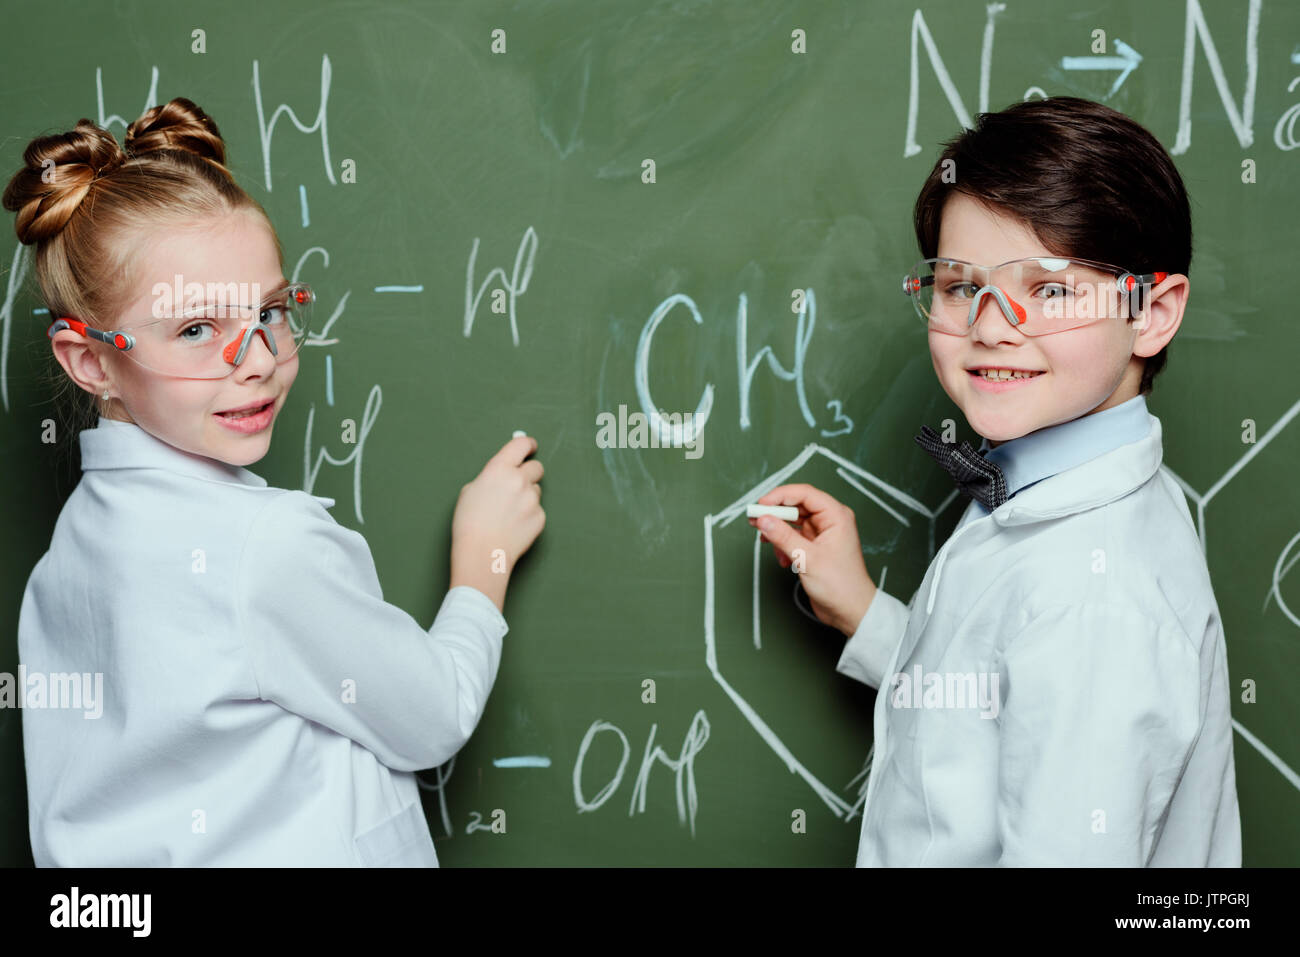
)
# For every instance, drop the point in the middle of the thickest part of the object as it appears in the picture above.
(975, 475)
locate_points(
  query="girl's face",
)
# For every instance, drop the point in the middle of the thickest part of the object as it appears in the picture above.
(186, 413)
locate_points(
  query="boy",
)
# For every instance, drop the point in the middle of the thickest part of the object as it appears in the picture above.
(1074, 590)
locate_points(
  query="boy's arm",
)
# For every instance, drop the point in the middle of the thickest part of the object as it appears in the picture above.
(1099, 711)
(866, 654)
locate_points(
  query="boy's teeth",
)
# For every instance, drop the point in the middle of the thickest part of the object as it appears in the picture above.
(240, 415)
(1005, 374)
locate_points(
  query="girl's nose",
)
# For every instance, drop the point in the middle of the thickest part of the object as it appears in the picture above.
(235, 350)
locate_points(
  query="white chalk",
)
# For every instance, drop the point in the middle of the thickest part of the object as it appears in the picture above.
(518, 432)
(787, 513)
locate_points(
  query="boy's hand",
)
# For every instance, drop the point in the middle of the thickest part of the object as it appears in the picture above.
(831, 568)
(500, 509)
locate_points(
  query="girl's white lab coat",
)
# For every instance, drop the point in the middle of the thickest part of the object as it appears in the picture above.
(263, 705)
(1088, 597)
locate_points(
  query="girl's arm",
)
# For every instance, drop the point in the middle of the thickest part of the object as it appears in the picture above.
(324, 644)
(498, 517)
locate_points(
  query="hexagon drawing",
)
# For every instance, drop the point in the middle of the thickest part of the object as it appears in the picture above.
(891, 502)
(898, 510)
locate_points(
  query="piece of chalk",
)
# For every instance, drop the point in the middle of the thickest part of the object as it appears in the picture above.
(518, 432)
(787, 513)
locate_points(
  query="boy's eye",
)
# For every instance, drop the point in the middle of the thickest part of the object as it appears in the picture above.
(1054, 290)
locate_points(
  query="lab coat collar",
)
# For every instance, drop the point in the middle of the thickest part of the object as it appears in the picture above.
(1103, 479)
(1097, 481)
(125, 445)
(1045, 452)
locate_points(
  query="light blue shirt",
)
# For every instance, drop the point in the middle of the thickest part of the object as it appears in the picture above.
(1029, 459)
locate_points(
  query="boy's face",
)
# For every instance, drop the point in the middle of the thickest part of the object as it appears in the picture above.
(1081, 371)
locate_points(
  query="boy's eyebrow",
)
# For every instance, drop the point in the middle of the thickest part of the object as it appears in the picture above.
(1031, 264)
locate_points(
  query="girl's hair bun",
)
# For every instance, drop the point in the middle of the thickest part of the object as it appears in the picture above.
(59, 171)
(178, 125)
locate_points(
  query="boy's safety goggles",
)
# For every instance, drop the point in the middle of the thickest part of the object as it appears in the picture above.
(209, 341)
(1039, 295)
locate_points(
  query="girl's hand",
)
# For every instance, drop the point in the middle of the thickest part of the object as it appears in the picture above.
(498, 517)
(829, 558)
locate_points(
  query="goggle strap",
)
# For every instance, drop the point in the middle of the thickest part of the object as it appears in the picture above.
(1136, 285)
(121, 341)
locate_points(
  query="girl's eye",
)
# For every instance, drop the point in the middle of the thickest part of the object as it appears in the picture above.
(193, 332)
(271, 315)
(960, 290)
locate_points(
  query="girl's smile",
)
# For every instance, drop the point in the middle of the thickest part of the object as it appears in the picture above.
(231, 419)
(249, 418)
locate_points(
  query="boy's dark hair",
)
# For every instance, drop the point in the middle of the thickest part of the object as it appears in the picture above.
(1087, 180)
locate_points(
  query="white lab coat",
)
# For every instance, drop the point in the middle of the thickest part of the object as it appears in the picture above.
(1087, 595)
(262, 703)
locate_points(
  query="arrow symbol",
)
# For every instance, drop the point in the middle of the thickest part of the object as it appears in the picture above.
(1126, 61)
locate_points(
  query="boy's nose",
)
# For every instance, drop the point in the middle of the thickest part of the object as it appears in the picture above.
(1014, 312)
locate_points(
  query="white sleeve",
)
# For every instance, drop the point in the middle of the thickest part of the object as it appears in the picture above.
(1100, 709)
(325, 645)
(866, 654)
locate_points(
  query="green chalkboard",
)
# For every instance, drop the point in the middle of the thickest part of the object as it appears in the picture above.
(499, 264)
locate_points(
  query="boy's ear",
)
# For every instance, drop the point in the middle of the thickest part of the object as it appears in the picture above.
(1165, 304)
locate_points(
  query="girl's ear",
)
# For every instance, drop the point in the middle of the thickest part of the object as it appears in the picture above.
(80, 362)
(1162, 316)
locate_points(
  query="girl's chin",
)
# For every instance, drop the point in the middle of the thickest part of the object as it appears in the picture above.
(239, 450)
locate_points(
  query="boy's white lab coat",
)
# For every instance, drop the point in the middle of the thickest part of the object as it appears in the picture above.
(262, 703)
(1087, 596)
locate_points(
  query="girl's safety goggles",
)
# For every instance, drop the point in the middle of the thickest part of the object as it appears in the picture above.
(209, 341)
(1039, 296)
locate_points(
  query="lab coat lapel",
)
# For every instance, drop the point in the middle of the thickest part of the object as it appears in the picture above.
(1089, 485)
(1096, 482)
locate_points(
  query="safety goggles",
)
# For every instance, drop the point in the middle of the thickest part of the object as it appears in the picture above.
(1039, 295)
(209, 341)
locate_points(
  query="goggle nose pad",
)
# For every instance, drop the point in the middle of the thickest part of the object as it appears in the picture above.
(1014, 312)
(236, 349)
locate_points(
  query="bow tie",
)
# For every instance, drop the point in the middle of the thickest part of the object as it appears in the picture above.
(975, 475)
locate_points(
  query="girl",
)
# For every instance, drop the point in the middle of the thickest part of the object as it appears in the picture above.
(261, 703)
